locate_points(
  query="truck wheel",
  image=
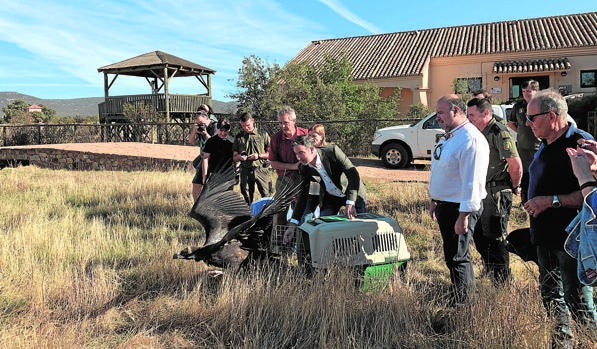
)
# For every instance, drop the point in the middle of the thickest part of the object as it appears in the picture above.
(394, 155)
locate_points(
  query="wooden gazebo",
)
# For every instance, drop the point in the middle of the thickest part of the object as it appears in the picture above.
(158, 68)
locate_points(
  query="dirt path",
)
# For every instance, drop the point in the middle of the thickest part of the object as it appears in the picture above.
(374, 169)
(368, 168)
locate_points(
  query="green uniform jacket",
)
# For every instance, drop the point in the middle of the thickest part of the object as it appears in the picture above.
(501, 147)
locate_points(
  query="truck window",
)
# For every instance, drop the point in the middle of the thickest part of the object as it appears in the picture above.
(431, 123)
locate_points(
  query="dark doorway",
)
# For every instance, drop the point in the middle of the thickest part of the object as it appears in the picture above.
(516, 90)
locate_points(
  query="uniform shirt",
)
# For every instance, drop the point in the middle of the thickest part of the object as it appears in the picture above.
(525, 137)
(459, 168)
(551, 174)
(281, 150)
(501, 147)
(253, 143)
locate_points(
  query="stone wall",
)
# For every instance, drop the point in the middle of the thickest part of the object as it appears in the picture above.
(77, 160)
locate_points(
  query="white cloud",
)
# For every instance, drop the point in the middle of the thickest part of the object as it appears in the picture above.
(76, 38)
(349, 16)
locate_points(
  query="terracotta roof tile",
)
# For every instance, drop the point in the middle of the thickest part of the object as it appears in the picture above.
(404, 53)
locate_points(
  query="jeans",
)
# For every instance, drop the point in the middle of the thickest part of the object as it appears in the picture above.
(456, 247)
(561, 291)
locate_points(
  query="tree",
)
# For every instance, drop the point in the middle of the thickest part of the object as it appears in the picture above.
(15, 108)
(327, 92)
(48, 113)
(253, 77)
(21, 117)
(14, 113)
(418, 111)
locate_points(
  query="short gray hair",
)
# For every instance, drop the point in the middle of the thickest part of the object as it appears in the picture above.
(287, 110)
(550, 100)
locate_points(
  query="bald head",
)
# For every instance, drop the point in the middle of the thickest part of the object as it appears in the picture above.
(450, 112)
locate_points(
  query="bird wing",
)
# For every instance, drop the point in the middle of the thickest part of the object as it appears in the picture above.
(218, 208)
(279, 204)
(226, 216)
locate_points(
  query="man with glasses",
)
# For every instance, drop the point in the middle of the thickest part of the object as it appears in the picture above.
(217, 152)
(281, 155)
(526, 142)
(503, 179)
(554, 198)
(457, 189)
(250, 148)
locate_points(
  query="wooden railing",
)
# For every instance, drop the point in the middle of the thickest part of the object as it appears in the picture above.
(353, 136)
(112, 107)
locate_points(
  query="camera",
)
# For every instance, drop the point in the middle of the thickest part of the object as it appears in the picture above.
(200, 127)
(244, 153)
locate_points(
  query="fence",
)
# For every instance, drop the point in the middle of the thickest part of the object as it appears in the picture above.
(353, 136)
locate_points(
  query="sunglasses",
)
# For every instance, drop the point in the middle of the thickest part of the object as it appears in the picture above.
(532, 117)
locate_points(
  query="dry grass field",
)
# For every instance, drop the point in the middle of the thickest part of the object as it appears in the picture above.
(86, 262)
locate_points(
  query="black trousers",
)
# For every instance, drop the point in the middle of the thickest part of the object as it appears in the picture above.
(491, 232)
(456, 247)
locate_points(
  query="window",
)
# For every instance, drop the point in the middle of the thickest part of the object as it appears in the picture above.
(466, 85)
(587, 78)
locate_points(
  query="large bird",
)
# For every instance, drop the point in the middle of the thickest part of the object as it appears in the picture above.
(231, 232)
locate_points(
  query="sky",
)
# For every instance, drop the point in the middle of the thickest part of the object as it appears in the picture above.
(52, 49)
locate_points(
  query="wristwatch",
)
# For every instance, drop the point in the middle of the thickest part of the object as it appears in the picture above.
(555, 203)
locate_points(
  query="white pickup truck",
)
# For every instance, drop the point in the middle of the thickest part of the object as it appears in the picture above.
(398, 146)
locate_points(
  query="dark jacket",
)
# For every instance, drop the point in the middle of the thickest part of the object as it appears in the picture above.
(340, 170)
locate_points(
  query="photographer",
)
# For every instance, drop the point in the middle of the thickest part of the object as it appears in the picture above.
(251, 149)
(203, 129)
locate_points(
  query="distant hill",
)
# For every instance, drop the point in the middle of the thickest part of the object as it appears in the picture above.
(84, 106)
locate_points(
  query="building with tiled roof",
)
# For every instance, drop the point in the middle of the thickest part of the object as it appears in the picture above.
(560, 52)
(34, 107)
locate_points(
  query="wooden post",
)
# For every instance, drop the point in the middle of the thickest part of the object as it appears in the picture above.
(166, 92)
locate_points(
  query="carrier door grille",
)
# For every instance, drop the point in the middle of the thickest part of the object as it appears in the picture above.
(346, 247)
(384, 242)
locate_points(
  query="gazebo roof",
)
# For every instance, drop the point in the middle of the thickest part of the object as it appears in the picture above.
(152, 64)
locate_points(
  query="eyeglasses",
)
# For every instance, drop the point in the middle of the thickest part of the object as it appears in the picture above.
(437, 152)
(532, 117)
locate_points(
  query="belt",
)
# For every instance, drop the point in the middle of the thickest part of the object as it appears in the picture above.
(444, 202)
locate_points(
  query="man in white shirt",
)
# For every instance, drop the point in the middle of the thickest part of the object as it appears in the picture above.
(457, 189)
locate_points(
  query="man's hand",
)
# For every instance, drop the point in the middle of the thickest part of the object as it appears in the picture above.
(432, 207)
(289, 234)
(517, 190)
(351, 211)
(538, 204)
(461, 225)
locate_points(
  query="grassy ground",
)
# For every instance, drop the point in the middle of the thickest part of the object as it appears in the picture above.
(86, 261)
